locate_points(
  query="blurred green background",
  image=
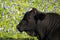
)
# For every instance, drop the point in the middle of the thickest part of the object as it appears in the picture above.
(12, 11)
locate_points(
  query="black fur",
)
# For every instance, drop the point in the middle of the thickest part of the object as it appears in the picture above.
(46, 26)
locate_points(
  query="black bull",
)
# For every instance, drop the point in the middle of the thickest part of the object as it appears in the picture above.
(46, 26)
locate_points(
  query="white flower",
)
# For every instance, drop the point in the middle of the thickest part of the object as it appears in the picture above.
(1, 28)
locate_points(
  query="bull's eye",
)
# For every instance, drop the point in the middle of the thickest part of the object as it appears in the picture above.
(25, 22)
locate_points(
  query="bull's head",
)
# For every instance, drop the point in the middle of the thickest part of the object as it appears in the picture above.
(29, 22)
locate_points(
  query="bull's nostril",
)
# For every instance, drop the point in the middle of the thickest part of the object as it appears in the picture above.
(19, 29)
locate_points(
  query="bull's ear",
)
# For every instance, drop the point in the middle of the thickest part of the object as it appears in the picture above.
(40, 16)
